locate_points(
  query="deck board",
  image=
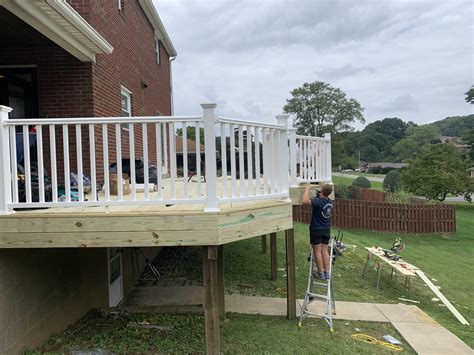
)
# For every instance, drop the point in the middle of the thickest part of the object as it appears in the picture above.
(143, 225)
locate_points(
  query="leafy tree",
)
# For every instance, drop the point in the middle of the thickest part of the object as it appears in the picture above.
(191, 133)
(362, 181)
(391, 182)
(321, 107)
(468, 138)
(370, 153)
(454, 126)
(436, 172)
(470, 95)
(416, 138)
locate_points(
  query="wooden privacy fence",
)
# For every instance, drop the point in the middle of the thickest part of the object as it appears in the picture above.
(360, 193)
(387, 217)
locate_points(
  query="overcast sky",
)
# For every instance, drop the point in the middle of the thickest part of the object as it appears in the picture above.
(408, 59)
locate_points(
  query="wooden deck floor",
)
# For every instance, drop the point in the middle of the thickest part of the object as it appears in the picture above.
(144, 225)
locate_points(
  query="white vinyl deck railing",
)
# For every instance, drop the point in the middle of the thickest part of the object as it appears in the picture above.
(106, 161)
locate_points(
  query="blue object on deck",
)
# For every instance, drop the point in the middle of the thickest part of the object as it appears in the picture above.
(20, 153)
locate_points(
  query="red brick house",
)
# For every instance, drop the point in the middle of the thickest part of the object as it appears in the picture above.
(75, 58)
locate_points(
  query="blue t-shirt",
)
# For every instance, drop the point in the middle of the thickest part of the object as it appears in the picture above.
(321, 217)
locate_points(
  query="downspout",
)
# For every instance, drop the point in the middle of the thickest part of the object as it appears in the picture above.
(171, 85)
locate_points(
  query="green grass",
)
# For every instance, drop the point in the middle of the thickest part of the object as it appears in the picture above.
(339, 180)
(449, 260)
(244, 334)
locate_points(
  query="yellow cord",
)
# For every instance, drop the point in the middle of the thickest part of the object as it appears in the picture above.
(371, 340)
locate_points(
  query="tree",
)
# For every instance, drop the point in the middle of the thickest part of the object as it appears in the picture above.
(436, 172)
(470, 95)
(322, 108)
(191, 133)
(416, 138)
(391, 182)
(468, 138)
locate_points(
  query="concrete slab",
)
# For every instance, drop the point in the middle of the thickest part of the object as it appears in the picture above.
(267, 306)
(404, 313)
(431, 339)
(277, 307)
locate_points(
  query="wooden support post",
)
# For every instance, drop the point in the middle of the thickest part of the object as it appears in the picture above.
(211, 298)
(273, 255)
(290, 275)
(220, 280)
(264, 244)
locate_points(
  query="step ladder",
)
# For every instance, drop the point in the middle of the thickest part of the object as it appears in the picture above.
(326, 285)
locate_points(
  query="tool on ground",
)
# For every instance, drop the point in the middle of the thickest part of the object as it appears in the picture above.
(408, 270)
(153, 269)
(371, 340)
(323, 284)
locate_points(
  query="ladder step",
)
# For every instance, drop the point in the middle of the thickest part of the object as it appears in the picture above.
(317, 295)
(320, 284)
(312, 314)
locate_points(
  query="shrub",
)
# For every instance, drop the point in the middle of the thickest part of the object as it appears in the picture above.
(392, 183)
(399, 196)
(342, 191)
(362, 181)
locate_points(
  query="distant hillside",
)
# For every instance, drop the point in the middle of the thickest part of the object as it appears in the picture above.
(454, 126)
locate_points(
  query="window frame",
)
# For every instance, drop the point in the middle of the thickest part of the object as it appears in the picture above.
(158, 51)
(128, 94)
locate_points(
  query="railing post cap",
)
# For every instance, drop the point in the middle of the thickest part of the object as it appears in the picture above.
(209, 105)
(6, 109)
(283, 119)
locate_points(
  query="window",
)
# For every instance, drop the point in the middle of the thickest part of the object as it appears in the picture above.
(157, 49)
(126, 104)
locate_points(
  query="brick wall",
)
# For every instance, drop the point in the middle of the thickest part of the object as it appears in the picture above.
(132, 64)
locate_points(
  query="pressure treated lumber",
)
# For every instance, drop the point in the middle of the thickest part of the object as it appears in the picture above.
(273, 256)
(147, 226)
(443, 299)
(211, 299)
(264, 244)
(220, 276)
(290, 275)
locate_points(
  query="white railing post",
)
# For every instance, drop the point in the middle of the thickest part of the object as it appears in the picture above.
(327, 151)
(5, 163)
(209, 117)
(293, 156)
(283, 154)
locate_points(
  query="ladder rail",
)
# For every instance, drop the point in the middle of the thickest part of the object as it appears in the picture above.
(311, 296)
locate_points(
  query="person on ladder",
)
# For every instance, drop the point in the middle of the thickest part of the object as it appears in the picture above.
(320, 228)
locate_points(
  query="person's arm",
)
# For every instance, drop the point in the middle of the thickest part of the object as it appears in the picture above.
(306, 198)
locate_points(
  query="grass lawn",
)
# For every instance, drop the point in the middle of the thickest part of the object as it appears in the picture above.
(340, 180)
(449, 260)
(242, 334)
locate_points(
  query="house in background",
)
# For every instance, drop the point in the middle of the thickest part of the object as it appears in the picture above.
(75, 58)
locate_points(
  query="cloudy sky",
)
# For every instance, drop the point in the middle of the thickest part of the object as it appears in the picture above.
(409, 59)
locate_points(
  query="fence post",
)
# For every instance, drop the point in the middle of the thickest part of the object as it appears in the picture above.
(283, 154)
(327, 151)
(209, 117)
(5, 163)
(293, 157)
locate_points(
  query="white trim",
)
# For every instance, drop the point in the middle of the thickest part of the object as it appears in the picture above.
(58, 21)
(160, 31)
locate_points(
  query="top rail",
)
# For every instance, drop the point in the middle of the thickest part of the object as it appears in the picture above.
(248, 123)
(100, 120)
(105, 161)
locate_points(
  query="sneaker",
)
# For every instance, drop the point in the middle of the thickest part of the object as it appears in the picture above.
(319, 275)
(327, 275)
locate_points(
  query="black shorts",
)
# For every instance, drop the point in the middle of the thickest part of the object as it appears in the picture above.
(319, 237)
